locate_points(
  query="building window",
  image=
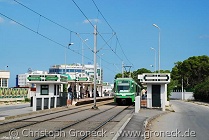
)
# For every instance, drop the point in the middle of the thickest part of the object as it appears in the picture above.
(4, 82)
(44, 89)
(61, 71)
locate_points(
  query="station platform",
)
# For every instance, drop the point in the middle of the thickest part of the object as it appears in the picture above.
(13, 110)
(78, 102)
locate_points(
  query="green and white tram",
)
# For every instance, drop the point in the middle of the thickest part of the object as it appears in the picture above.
(125, 89)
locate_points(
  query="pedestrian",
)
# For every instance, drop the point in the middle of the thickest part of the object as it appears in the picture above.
(70, 93)
(105, 93)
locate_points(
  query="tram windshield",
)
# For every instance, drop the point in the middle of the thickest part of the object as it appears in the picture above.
(123, 88)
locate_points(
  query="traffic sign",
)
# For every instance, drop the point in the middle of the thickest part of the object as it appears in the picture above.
(51, 78)
(82, 79)
(34, 78)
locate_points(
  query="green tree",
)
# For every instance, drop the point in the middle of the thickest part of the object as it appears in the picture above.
(138, 72)
(201, 91)
(193, 71)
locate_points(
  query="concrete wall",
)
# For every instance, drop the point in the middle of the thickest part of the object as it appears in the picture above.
(178, 95)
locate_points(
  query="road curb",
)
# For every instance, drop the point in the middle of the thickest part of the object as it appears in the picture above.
(148, 120)
(123, 126)
(199, 103)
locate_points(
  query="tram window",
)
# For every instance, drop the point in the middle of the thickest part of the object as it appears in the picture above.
(123, 88)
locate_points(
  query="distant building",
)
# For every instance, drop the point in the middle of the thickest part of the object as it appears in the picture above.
(4, 79)
(77, 71)
(107, 87)
(21, 80)
(80, 77)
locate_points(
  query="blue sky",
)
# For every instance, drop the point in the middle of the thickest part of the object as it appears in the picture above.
(184, 26)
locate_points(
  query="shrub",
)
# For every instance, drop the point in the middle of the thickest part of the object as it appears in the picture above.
(201, 91)
(27, 100)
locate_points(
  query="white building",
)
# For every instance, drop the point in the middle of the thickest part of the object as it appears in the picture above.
(78, 71)
(80, 76)
(21, 79)
(4, 79)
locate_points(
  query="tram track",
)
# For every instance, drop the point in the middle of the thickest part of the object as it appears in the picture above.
(86, 122)
(22, 123)
(102, 124)
(73, 124)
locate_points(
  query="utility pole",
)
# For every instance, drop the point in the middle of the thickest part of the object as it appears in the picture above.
(182, 89)
(95, 66)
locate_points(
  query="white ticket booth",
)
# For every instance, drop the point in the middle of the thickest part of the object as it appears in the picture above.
(48, 89)
(156, 89)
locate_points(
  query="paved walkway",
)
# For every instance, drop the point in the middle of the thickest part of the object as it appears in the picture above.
(135, 128)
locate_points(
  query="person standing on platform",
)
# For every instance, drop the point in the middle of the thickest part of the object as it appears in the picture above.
(70, 94)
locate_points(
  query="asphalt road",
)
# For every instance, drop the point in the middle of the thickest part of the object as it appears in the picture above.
(189, 121)
(12, 107)
(11, 110)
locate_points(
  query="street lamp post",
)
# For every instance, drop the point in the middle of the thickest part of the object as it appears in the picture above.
(83, 51)
(95, 66)
(158, 48)
(66, 54)
(101, 80)
(155, 58)
(182, 89)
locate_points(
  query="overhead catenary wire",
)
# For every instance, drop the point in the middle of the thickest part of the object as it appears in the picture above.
(112, 31)
(97, 30)
(44, 16)
(71, 31)
(30, 29)
(102, 16)
(40, 15)
(123, 51)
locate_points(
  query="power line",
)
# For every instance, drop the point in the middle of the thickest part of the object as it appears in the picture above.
(123, 51)
(53, 23)
(43, 16)
(97, 30)
(102, 16)
(30, 29)
(111, 29)
(40, 15)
